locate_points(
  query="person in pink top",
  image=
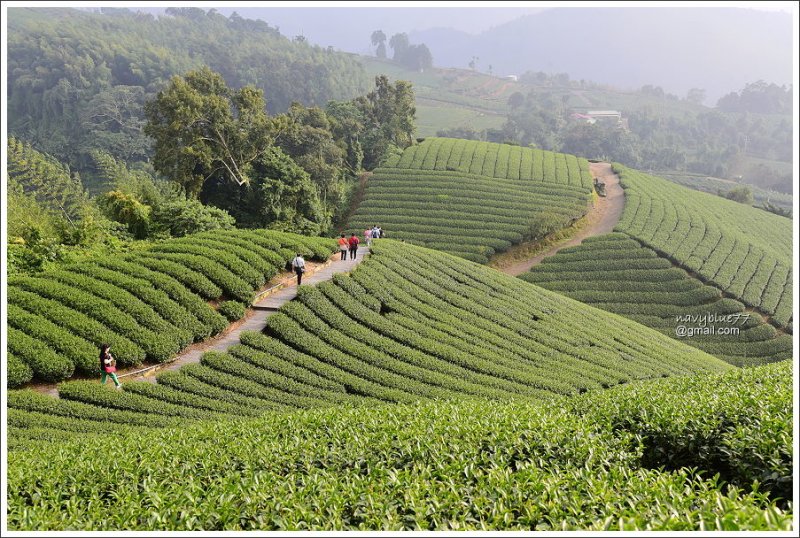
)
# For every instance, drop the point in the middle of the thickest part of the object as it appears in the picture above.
(368, 237)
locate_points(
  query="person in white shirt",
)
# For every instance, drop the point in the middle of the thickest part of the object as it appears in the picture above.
(299, 266)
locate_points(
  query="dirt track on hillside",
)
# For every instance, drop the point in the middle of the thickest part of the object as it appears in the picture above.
(601, 219)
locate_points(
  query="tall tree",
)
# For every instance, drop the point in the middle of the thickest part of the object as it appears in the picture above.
(399, 44)
(379, 40)
(389, 118)
(203, 129)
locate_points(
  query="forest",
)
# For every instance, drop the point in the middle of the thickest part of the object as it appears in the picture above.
(78, 80)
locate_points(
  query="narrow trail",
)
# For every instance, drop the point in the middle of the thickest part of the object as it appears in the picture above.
(282, 289)
(601, 219)
(356, 200)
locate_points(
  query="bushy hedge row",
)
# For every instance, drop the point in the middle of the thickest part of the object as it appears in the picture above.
(501, 161)
(638, 457)
(618, 274)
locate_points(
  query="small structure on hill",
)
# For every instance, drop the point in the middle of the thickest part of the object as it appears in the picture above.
(593, 116)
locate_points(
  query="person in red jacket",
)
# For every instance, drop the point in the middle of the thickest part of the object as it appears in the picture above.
(353, 242)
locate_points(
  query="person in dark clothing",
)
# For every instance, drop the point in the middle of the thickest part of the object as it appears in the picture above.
(353, 246)
(299, 266)
(108, 365)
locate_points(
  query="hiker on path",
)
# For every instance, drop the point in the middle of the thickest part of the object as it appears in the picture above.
(108, 365)
(353, 246)
(368, 236)
(375, 232)
(299, 266)
(380, 232)
(343, 246)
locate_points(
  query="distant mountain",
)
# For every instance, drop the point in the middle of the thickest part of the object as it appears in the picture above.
(717, 49)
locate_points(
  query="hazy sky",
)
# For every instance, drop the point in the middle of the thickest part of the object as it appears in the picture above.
(348, 28)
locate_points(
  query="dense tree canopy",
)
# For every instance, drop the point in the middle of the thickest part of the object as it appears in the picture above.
(759, 97)
(77, 80)
(203, 129)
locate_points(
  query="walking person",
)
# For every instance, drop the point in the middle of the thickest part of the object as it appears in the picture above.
(353, 246)
(368, 237)
(380, 232)
(299, 266)
(108, 365)
(344, 244)
(375, 232)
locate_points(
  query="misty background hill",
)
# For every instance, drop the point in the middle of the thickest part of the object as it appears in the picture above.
(678, 48)
(716, 49)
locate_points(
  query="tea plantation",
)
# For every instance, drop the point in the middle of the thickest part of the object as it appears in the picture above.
(408, 324)
(616, 273)
(703, 452)
(473, 199)
(148, 305)
(742, 250)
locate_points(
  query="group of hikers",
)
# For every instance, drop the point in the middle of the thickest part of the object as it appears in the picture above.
(345, 245)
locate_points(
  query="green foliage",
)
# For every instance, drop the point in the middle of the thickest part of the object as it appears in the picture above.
(737, 425)
(588, 462)
(49, 181)
(180, 216)
(281, 196)
(232, 310)
(758, 97)
(617, 274)
(205, 131)
(742, 194)
(388, 114)
(18, 372)
(127, 210)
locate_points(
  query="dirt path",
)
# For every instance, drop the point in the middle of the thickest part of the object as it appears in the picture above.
(280, 291)
(601, 219)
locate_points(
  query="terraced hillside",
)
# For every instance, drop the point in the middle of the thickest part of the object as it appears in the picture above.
(617, 274)
(148, 305)
(743, 251)
(624, 459)
(473, 199)
(408, 324)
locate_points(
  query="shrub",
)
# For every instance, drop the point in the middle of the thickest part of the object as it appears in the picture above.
(232, 310)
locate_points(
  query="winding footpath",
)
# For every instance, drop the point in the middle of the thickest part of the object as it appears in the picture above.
(601, 219)
(266, 303)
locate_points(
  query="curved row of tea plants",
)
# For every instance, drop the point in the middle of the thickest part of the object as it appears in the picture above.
(703, 452)
(408, 324)
(473, 212)
(502, 161)
(148, 305)
(617, 274)
(743, 251)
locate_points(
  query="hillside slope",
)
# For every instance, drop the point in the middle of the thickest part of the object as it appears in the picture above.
(473, 199)
(408, 324)
(618, 274)
(743, 251)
